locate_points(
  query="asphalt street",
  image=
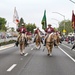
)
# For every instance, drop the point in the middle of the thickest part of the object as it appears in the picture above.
(36, 62)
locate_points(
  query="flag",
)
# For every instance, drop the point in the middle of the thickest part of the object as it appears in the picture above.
(44, 22)
(15, 17)
(73, 20)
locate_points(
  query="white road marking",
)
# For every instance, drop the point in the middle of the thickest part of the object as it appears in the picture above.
(31, 49)
(26, 54)
(68, 47)
(11, 67)
(67, 54)
(6, 46)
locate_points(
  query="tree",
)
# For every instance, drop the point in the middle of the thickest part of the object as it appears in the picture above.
(2, 23)
(12, 29)
(30, 27)
(68, 26)
(20, 23)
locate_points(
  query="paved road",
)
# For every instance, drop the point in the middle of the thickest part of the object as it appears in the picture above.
(36, 62)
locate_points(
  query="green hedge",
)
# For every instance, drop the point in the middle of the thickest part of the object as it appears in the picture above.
(8, 42)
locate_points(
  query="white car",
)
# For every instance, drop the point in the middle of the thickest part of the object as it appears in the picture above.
(8, 35)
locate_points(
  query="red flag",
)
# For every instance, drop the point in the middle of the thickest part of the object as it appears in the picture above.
(15, 17)
(73, 20)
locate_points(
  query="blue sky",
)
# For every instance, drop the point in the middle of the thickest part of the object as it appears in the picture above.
(32, 10)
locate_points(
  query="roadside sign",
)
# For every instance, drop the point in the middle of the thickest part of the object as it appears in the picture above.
(64, 31)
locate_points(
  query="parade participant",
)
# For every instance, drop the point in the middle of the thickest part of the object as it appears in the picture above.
(29, 36)
(29, 33)
(73, 47)
(21, 30)
(36, 32)
(48, 31)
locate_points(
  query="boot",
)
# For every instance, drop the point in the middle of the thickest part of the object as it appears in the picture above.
(17, 43)
(26, 42)
(34, 39)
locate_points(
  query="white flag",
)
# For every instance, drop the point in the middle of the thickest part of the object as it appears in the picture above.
(15, 17)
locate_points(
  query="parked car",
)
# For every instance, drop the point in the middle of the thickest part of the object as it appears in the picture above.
(8, 35)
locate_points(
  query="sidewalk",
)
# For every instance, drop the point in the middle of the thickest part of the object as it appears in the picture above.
(6, 46)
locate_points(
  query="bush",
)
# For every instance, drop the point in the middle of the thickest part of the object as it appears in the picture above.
(8, 42)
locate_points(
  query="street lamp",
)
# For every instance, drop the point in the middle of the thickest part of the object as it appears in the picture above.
(55, 24)
(64, 20)
(56, 20)
(72, 1)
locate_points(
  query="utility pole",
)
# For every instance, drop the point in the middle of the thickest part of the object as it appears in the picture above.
(56, 20)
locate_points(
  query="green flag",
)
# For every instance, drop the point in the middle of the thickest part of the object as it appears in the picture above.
(44, 22)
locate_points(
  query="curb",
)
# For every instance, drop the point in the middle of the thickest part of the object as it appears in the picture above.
(6, 46)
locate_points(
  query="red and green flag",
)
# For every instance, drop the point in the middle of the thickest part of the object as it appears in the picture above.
(44, 22)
